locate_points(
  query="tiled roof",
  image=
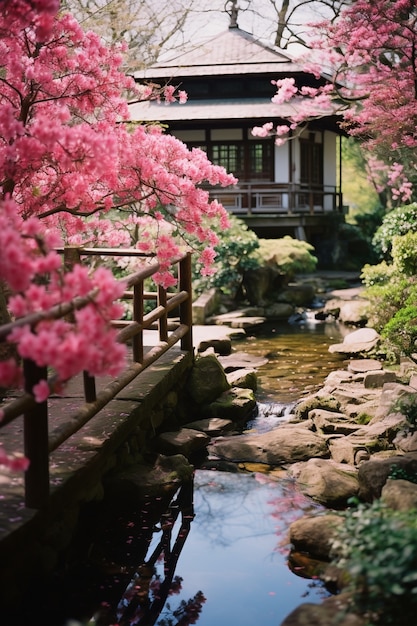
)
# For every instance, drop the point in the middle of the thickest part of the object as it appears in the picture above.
(232, 52)
(250, 108)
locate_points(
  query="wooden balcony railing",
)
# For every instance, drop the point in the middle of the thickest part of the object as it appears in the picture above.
(38, 444)
(256, 199)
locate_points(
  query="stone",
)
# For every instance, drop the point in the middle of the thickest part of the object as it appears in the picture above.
(244, 378)
(207, 380)
(406, 441)
(205, 305)
(185, 441)
(220, 346)
(212, 426)
(361, 340)
(327, 482)
(236, 404)
(128, 487)
(399, 494)
(279, 311)
(354, 312)
(316, 401)
(391, 395)
(260, 282)
(330, 422)
(241, 360)
(377, 379)
(371, 438)
(286, 444)
(364, 365)
(314, 534)
(346, 450)
(324, 614)
(338, 377)
(301, 295)
(373, 474)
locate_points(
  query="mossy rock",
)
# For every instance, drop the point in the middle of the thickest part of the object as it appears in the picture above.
(302, 409)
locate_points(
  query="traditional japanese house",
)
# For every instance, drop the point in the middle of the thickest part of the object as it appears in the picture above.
(292, 189)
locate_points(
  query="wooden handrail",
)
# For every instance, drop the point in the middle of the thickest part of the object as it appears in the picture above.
(37, 443)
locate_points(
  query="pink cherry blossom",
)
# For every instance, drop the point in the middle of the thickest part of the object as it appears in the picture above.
(74, 171)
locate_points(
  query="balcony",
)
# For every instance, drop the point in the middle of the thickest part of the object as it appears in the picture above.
(277, 209)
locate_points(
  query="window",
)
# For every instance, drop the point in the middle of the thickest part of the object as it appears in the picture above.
(246, 160)
(230, 156)
(260, 161)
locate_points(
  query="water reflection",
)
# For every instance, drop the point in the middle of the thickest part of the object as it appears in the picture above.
(237, 549)
(298, 358)
(219, 559)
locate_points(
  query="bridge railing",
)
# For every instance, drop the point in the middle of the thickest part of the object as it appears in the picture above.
(38, 441)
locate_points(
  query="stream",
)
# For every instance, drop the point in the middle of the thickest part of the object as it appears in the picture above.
(218, 556)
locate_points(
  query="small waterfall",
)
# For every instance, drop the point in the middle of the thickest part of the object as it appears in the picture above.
(269, 416)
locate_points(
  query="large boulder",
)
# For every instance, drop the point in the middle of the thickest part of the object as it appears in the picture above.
(372, 438)
(185, 441)
(327, 482)
(334, 613)
(126, 488)
(400, 494)
(315, 534)
(207, 380)
(236, 404)
(286, 444)
(260, 282)
(373, 474)
(362, 340)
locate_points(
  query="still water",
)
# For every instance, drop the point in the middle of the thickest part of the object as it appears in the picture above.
(218, 556)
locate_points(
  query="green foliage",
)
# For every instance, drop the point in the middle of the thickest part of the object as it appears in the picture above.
(235, 255)
(363, 418)
(407, 406)
(358, 191)
(404, 254)
(400, 221)
(379, 274)
(400, 473)
(240, 250)
(377, 548)
(291, 255)
(392, 292)
(401, 330)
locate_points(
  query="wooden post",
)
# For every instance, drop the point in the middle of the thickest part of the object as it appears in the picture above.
(36, 441)
(163, 321)
(72, 257)
(186, 308)
(137, 340)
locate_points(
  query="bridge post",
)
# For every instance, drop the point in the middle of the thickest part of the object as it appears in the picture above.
(186, 308)
(35, 435)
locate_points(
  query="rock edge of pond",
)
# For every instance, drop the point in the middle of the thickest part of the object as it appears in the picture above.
(338, 443)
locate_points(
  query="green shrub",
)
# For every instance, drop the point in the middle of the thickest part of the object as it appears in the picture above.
(400, 332)
(400, 221)
(291, 255)
(404, 254)
(235, 255)
(379, 274)
(240, 250)
(377, 548)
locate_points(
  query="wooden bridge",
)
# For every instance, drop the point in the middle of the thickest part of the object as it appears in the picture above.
(39, 441)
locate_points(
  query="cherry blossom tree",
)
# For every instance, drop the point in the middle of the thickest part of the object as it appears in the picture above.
(75, 171)
(370, 53)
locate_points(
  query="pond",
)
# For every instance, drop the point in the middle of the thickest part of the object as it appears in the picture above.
(218, 556)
